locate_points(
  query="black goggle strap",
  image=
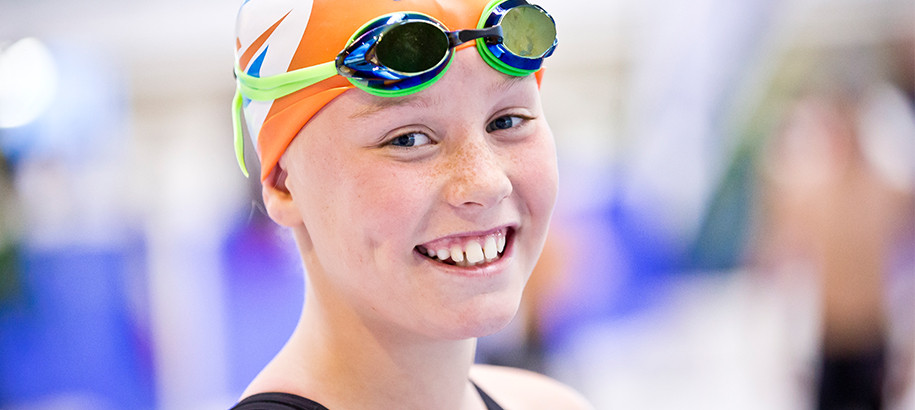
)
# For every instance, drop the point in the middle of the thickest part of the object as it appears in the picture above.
(492, 35)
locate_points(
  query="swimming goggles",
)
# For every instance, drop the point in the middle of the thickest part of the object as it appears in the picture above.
(405, 52)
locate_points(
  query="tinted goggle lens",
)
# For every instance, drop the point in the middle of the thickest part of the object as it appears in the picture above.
(412, 47)
(397, 58)
(529, 32)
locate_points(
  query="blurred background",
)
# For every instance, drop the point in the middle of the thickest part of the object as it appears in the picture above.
(735, 227)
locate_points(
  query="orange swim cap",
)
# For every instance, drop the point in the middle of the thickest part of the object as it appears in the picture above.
(278, 36)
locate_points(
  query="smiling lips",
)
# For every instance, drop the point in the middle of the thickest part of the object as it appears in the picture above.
(467, 251)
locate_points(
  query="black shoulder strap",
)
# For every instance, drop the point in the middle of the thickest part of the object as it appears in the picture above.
(277, 401)
(490, 403)
(285, 401)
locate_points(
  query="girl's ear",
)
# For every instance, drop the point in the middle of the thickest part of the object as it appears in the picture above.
(278, 200)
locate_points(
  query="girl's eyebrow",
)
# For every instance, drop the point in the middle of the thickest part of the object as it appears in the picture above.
(510, 81)
(418, 101)
(383, 103)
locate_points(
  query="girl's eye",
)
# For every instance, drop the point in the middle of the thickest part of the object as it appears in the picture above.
(504, 123)
(413, 139)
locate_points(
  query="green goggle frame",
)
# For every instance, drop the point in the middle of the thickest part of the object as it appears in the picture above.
(512, 36)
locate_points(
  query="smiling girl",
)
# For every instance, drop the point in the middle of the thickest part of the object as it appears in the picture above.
(404, 145)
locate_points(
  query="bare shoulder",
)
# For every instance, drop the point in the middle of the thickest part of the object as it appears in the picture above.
(522, 389)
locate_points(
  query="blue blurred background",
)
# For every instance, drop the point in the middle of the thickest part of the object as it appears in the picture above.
(735, 215)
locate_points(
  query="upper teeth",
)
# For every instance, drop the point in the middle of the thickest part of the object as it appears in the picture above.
(470, 252)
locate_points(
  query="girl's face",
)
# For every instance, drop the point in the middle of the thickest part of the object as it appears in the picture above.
(464, 171)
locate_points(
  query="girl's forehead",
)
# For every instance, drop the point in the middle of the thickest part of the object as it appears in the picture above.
(467, 81)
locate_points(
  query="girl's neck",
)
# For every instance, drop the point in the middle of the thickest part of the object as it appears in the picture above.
(342, 360)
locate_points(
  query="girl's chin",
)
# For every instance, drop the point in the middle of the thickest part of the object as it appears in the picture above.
(482, 321)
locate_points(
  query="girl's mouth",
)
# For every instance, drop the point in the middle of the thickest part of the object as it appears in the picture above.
(468, 250)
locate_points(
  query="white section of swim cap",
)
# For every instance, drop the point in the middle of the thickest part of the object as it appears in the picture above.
(255, 18)
(255, 114)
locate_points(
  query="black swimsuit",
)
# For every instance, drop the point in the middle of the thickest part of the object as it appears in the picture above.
(286, 401)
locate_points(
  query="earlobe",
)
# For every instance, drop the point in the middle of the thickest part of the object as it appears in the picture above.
(278, 200)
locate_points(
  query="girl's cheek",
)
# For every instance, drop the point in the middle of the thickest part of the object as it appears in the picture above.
(390, 198)
(541, 179)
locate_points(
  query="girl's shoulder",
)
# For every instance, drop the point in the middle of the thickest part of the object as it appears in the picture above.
(523, 389)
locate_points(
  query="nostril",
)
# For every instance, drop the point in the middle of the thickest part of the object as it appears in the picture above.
(484, 188)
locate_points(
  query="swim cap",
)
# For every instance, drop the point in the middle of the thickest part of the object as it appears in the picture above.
(278, 36)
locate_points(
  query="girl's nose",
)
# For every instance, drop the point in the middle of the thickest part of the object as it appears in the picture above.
(478, 177)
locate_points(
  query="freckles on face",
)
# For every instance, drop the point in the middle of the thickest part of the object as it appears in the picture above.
(388, 193)
(368, 204)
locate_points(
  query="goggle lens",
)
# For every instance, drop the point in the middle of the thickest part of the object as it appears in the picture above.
(413, 47)
(529, 32)
(412, 55)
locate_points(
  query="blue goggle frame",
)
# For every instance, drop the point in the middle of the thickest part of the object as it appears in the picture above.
(358, 62)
